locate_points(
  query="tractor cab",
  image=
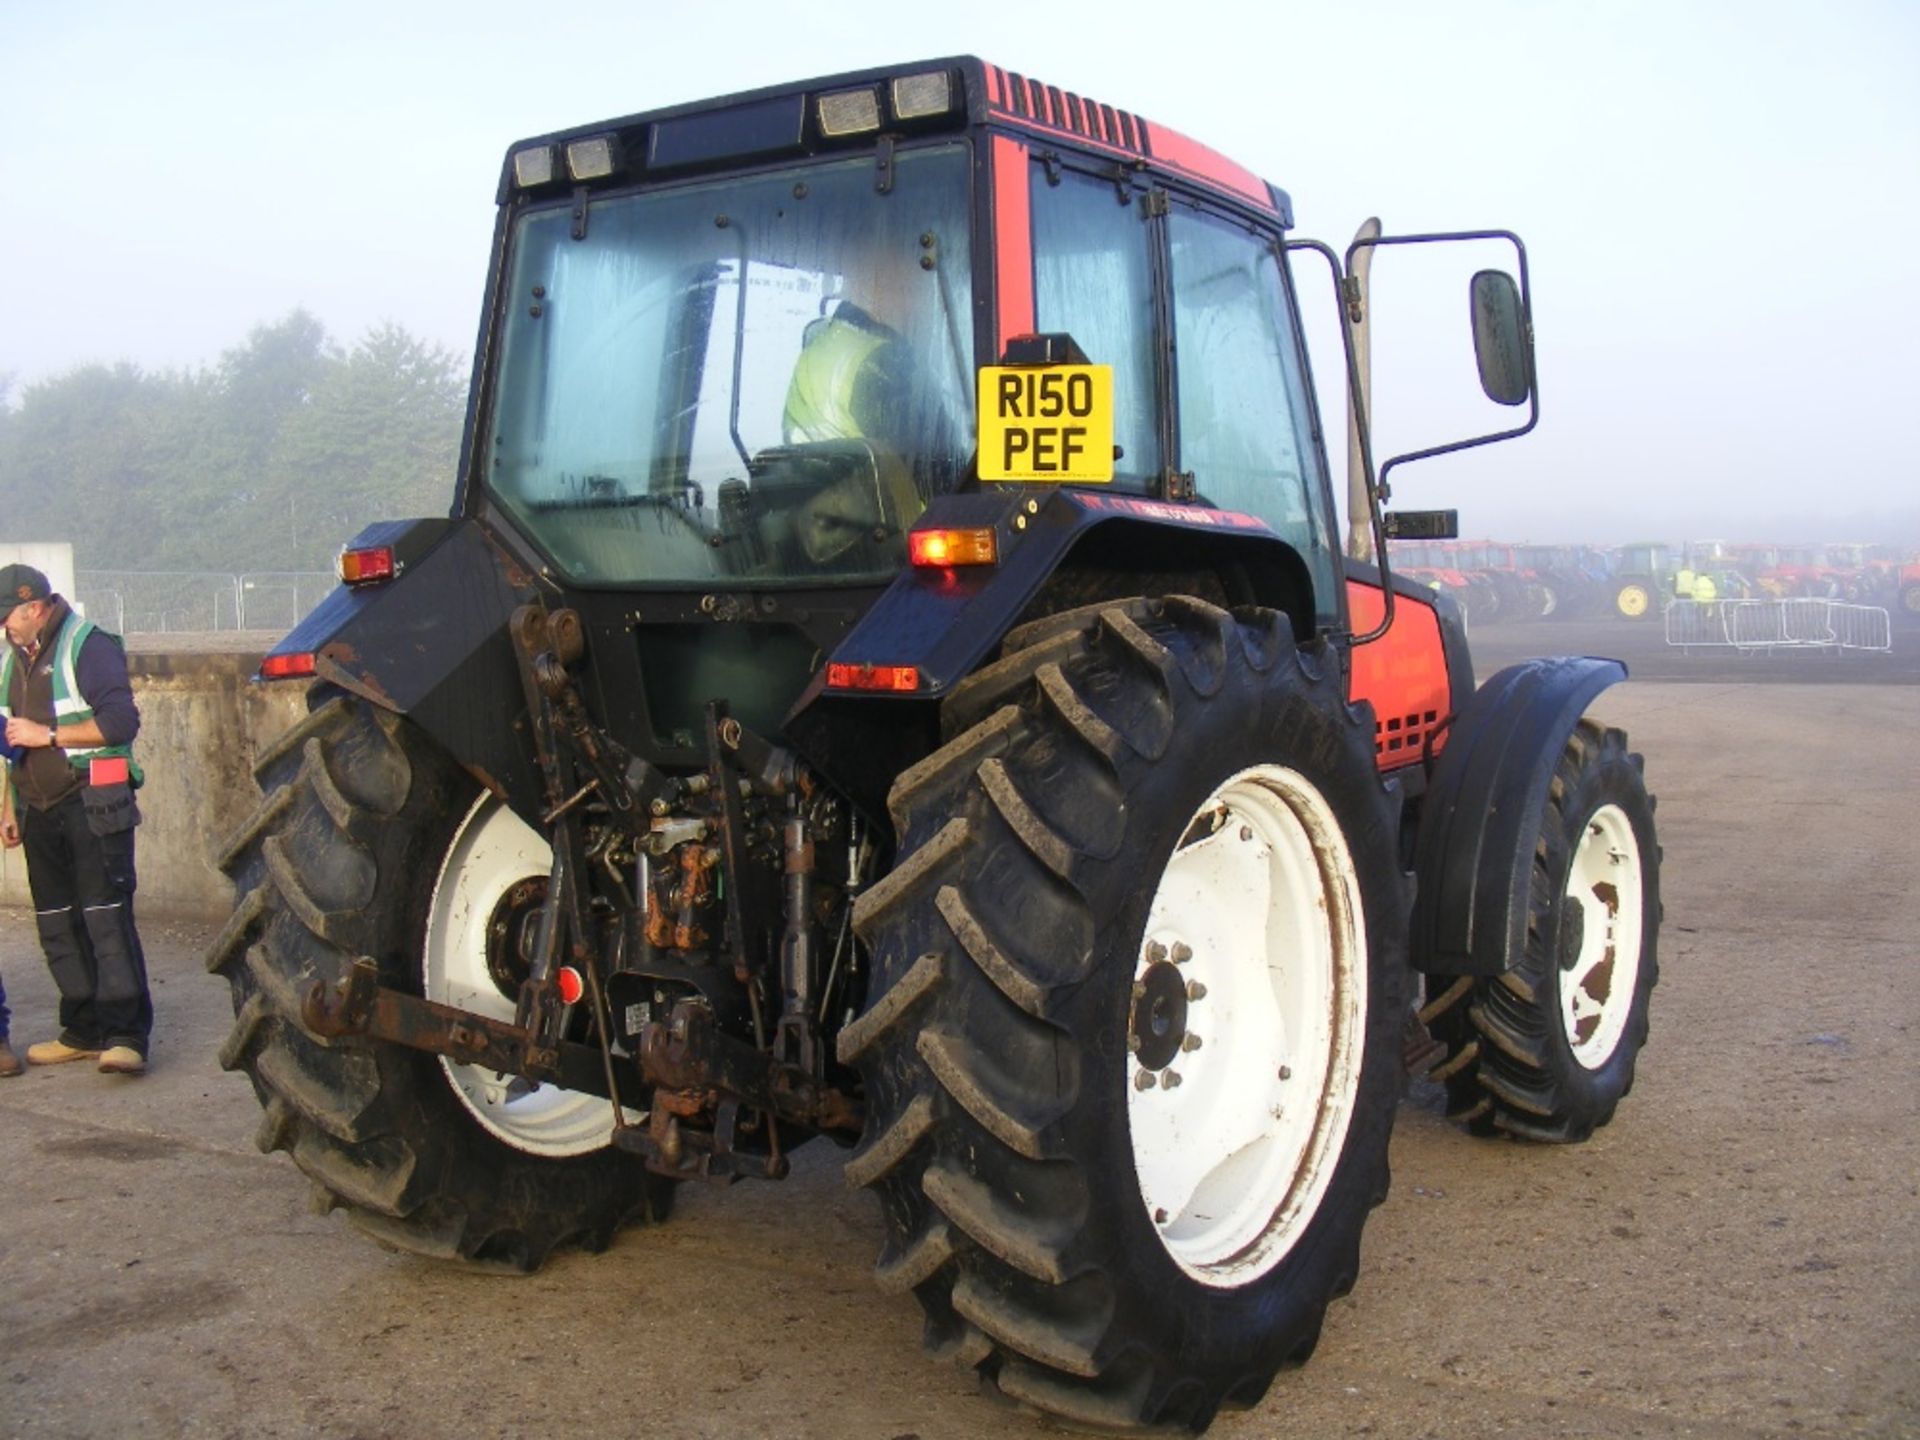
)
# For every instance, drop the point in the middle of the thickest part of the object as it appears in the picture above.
(738, 349)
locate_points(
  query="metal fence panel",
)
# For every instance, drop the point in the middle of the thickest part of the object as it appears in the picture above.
(147, 602)
(1788, 624)
(1689, 623)
(1863, 627)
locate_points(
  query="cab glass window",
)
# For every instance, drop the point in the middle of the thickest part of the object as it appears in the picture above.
(761, 379)
(1246, 429)
(1093, 278)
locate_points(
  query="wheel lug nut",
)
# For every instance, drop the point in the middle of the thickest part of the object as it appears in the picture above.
(1145, 1080)
(1182, 952)
(1196, 991)
(1246, 832)
(1170, 1079)
(1139, 991)
(1156, 952)
(1190, 1042)
(1286, 1072)
(1159, 1217)
(1133, 1044)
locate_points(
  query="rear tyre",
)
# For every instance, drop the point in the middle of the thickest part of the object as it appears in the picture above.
(1546, 1051)
(1131, 1050)
(370, 841)
(1910, 599)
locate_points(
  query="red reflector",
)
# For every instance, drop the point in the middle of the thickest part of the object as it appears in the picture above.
(572, 987)
(873, 677)
(361, 567)
(937, 549)
(287, 667)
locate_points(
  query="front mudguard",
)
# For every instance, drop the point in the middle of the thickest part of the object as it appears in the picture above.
(1473, 851)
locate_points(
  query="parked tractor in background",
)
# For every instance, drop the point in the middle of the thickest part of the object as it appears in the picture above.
(1647, 576)
(1523, 593)
(1574, 577)
(1907, 587)
(874, 685)
(1432, 563)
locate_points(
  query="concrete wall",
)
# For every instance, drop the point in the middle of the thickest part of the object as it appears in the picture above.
(202, 720)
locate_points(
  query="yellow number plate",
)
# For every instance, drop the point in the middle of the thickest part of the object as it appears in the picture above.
(1047, 422)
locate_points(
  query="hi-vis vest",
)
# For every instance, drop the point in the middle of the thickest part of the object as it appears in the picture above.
(69, 705)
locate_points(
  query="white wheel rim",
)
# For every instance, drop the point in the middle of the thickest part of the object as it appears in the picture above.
(493, 851)
(1259, 908)
(1599, 977)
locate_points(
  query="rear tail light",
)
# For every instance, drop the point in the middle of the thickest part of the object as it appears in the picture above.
(873, 677)
(367, 567)
(939, 549)
(293, 666)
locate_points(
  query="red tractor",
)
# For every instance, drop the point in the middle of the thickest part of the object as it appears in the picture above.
(874, 685)
(1907, 587)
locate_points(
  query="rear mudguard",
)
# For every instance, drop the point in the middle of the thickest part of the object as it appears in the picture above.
(432, 644)
(1474, 850)
(944, 623)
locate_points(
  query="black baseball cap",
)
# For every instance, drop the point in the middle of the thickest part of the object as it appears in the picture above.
(19, 584)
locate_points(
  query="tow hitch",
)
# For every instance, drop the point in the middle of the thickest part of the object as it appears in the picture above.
(685, 1065)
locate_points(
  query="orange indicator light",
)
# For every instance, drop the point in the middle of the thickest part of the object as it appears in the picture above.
(938, 549)
(365, 567)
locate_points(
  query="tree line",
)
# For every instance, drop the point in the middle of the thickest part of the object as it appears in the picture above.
(269, 459)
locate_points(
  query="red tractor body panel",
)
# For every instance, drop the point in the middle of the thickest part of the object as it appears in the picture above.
(1403, 675)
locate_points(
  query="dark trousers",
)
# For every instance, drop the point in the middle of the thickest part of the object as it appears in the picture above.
(82, 887)
(5, 1015)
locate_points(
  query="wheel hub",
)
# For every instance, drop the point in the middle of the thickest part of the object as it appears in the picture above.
(480, 923)
(1158, 1023)
(510, 931)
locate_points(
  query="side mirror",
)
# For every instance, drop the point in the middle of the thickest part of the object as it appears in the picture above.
(1501, 343)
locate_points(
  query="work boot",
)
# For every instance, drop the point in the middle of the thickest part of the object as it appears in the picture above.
(56, 1052)
(9, 1062)
(122, 1060)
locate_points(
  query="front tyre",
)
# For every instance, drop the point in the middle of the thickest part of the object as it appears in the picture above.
(1132, 1046)
(370, 841)
(1547, 1051)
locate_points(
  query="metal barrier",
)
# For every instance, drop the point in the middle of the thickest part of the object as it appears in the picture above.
(1766, 625)
(146, 602)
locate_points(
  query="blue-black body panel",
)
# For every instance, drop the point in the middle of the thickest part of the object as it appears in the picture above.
(433, 644)
(945, 622)
(1475, 848)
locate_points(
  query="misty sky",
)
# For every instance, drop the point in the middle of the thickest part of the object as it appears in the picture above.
(1719, 201)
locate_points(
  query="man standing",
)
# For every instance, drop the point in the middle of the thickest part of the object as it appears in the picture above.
(9, 1062)
(69, 709)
